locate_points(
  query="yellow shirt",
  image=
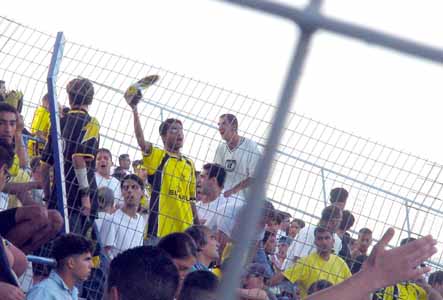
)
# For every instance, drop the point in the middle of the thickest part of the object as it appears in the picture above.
(401, 291)
(312, 268)
(40, 122)
(13, 170)
(172, 190)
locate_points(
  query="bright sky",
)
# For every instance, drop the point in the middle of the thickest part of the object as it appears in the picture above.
(390, 98)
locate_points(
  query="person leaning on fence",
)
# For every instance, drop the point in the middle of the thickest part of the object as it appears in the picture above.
(30, 226)
(237, 154)
(321, 264)
(73, 254)
(80, 134)
(207, 246)
(124, 229)
(141, 273)
(171, 175)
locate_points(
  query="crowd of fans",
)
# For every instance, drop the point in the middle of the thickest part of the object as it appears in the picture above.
(160, 229)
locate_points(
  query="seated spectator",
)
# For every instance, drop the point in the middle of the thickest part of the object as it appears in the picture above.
(338, 197)
(383, 268)
(40, 128)
(103, 164)
(207, 246)
(105, 206)
(253, 286)
(342, 233)
(141, 273)
(318, 286)
(436, 281)
(279, 259)
(183, 251)
(73, 254)
(417, 288)
(199, 285)
(303, 245)
(358, 256)
(125, 228)
(26, 227)
(294, 228)
(124, 162)
(321, 264)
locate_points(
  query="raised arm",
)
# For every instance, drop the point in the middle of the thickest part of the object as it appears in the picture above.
(133, 97)
(383, 268)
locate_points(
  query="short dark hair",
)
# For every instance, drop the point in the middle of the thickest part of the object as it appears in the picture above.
(6, 107)
(268, 210)
(216, 171)
(198, 234)
(137, 163)
(144, 272)
(268, 234)
(231, 119)
(284, 215)
(347, 220)
(105, 150)
(70, 244)
(331, 212)
(123, 156)
(6, 154)
(80, 91)
(199, 285)
(338, 195)
(318, 286)
(365, 230)
(119, 173)
(436, 278)
(164, 126)
(407, 240)
(178, 245)
(319, 230)
(134, 178)
(300, 222)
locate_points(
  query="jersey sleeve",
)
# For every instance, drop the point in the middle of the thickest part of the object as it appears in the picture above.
(89, 144)
(296, 271)
(193, 184)
(218, 158)
(152, 160)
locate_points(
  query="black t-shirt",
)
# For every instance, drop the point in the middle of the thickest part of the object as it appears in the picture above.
(80, 133)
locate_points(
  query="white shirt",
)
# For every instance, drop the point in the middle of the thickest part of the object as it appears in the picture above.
(226, 213)
(111, 183)
(121, 232)
(239, 162)
(303, 244)
(99, 221)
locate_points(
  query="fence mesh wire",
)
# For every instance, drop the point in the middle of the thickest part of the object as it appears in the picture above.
(387, 187)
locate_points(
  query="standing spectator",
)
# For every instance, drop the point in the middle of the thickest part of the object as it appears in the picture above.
(171, 174)
(361, 254)
(141, 172)
(342, 232)
(284, 225)
(294, 228)
(321, 264)
(103, 163)
(141, 273)
(237, 154)
(40, 128)
(303, 245)
(124, 162)
(124, 229)
(74, 263)
(30, 226)
(207, 246)
(80, 134)
(183, 251)
(436, 281)
(338, 197)
(199, 285)
(105, 206)
(279, 259)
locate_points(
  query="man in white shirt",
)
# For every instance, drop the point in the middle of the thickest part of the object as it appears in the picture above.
(124, 229)
(238, 155)
(217, 211)
(103, 163)
(304, 245)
